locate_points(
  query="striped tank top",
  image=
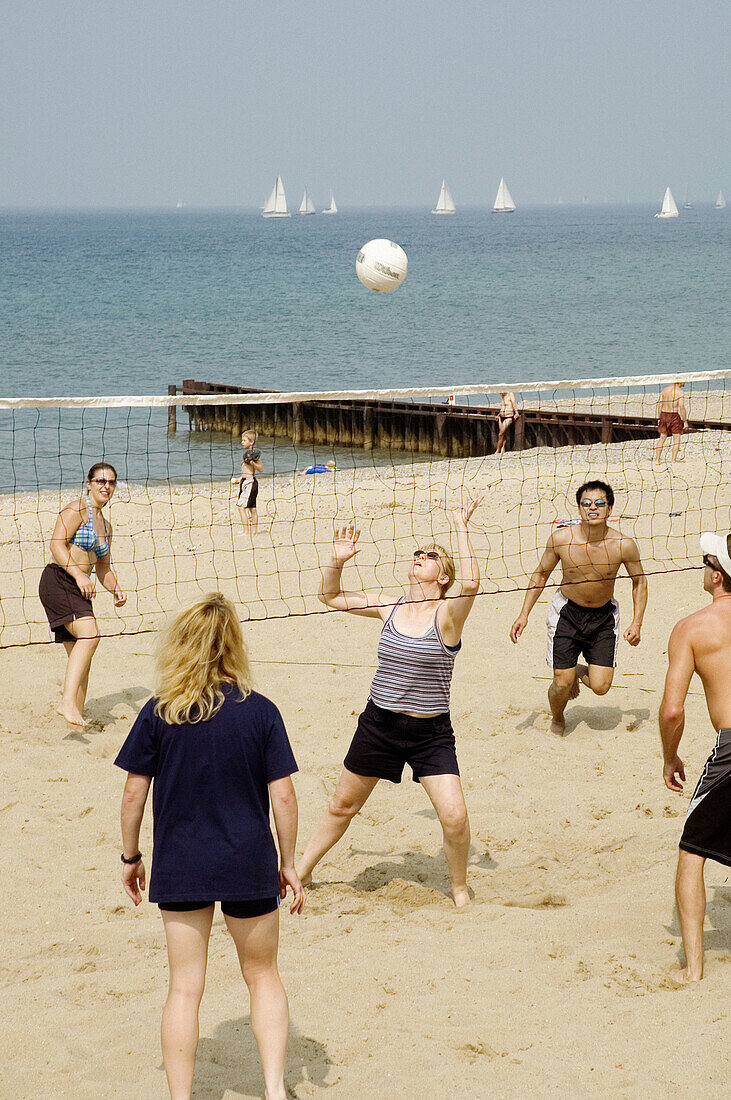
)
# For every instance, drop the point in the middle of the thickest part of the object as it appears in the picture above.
(413, 674)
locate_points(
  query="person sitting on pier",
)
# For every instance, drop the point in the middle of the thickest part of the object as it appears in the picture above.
(508, 413)
(583, 617)
(247, 483)
(406, 719)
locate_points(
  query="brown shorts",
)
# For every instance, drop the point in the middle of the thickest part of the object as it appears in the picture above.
(670, 424)
(62, 601)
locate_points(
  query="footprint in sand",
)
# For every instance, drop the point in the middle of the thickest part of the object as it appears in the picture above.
(535, 901)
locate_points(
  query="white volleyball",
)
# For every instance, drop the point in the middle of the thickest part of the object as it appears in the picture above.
(381, 265)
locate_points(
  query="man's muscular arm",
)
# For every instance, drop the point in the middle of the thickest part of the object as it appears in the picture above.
(681, 666)
(633, 565)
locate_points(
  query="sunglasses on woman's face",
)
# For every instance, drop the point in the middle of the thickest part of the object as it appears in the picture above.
(432, 554)
(110, 481)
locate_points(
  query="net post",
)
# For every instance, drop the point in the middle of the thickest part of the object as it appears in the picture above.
(172, 421)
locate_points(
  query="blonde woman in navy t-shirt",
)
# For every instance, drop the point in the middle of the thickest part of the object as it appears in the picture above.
(216, 753)
(406, 719)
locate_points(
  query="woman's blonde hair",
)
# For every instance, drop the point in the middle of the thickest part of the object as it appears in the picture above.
(201, 649)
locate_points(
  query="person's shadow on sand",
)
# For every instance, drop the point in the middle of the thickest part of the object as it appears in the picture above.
(427, 871)
(598, 718)
(230, 1061)
(718, 915)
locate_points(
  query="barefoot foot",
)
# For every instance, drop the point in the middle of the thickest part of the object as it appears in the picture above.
(461, 896)
(558, 726)
(683, 977)
(72, 714)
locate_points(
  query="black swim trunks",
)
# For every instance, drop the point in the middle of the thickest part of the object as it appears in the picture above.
(574, 630)
(385, 740)
(707, 830)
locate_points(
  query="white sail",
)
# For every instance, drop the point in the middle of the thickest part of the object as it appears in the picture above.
(276, 204)
(445, 202)
(720, 201)
(503, 200)
(307, 206)
(669, 209)
(332, 208)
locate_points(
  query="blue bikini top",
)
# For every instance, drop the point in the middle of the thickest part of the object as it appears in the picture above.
(86, 537)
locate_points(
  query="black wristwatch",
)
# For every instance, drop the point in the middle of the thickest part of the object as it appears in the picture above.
(135, 859)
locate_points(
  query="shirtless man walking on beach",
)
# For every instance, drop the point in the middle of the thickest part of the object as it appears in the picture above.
(672, 418)
(583, 616)
(701, 643)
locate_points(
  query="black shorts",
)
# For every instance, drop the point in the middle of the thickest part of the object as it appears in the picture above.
(62, 601)
(385, 740)
(707, 830)
(241, 909)
(573, 630)
(248, 492)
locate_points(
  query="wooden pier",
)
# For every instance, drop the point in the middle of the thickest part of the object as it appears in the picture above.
(449, 431)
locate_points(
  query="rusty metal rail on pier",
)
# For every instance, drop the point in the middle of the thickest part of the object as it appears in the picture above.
(450, 431)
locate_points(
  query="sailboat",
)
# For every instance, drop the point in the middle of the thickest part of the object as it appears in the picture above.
(307, 206)
(669, 209)
(720, 201)
(276, 204)
(445, 202)
(332, 208)
(503, 200)
(686, 205)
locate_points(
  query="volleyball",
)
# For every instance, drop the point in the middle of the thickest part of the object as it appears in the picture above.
(381, 265)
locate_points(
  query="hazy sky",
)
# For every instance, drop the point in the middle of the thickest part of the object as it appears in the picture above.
(138, 104)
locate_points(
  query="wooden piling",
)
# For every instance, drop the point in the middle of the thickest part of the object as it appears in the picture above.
(172, 420)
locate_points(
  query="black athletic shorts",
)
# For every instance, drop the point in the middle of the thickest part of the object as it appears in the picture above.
(248, 492)
(574, 630)
(385, 740)
(707, 830)
(241, 909)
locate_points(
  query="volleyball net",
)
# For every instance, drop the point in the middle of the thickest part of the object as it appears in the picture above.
(401, 460)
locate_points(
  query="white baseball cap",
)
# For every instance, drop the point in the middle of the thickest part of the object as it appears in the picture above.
(717, 545)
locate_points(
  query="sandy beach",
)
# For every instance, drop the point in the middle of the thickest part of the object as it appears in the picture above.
(555, 981)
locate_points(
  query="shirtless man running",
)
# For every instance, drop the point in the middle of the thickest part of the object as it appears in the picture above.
(701, 643)
(583, 616)
(672, 419)
(508, 413)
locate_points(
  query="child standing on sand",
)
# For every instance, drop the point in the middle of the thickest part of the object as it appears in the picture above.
(248, 485)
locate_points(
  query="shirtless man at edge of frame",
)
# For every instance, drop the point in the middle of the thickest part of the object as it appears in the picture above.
(583, 617)
(701, 643)
(672, 418)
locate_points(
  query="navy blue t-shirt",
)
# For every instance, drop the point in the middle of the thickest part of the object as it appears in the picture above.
(210, 801)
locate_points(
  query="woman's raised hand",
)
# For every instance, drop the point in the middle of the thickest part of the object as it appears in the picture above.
(463, 515)
(344, 541)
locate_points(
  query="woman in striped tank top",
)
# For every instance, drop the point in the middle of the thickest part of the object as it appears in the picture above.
(406, 719)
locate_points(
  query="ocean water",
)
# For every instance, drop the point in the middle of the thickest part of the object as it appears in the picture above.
(127, 303)
(104, 303)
